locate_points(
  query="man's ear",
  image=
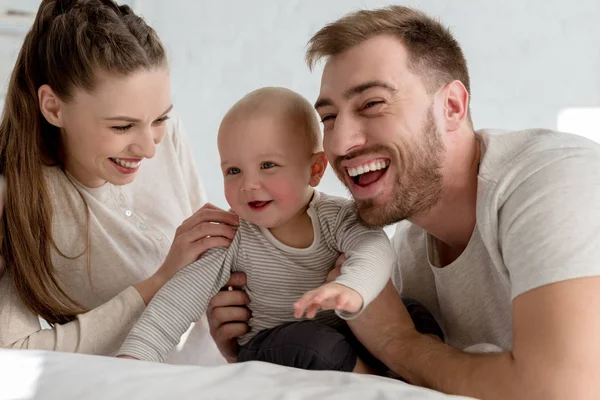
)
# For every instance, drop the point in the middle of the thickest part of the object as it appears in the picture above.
(456, 105)
(50, 106)
(317, 169)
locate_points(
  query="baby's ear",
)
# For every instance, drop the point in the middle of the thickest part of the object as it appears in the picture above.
(317, 169)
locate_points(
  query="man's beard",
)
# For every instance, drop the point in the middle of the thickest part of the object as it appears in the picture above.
(417, 189)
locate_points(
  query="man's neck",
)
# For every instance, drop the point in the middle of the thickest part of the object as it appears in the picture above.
(452, 220)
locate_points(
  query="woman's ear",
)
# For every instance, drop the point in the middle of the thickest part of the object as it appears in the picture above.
(317, 169)
(50, 106)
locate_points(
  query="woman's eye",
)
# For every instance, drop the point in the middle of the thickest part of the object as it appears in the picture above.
(122, 128)
(161, 120)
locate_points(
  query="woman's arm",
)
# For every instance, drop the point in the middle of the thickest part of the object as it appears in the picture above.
(103, 329)
(99, 331)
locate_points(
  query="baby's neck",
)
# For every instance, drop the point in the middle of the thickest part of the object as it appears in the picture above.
(297, 232)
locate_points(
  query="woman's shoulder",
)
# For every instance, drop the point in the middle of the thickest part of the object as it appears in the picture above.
(175, 132)
(66, 200)
(56, 179)
(175, 141)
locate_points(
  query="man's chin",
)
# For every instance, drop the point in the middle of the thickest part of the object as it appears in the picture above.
(373, 213)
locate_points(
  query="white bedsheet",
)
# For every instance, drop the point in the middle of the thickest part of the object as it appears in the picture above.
(27, 374)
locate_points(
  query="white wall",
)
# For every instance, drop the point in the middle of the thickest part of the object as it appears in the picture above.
(529, 59)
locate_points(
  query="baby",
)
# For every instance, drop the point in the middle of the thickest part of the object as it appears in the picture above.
(289, 238)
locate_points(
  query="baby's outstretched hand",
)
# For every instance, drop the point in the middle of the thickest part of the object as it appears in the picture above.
(331, 296)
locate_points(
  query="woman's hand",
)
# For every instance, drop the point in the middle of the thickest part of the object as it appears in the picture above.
(209, 227)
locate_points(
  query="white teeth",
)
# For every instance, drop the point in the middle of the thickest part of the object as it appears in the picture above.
(127, 164)
(367, 167)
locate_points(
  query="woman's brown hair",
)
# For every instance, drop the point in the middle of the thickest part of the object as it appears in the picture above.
(68, 42)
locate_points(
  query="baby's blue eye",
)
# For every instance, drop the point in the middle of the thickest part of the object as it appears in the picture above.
(233, 171)
(267, 165)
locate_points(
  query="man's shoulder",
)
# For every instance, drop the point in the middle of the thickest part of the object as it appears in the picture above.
(510, 153)
(408, 238)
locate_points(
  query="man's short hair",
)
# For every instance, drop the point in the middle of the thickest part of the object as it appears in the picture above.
(434, 54)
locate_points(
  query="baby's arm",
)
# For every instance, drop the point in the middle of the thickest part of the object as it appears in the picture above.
(181, 302)
(330, 296)
(370, 259)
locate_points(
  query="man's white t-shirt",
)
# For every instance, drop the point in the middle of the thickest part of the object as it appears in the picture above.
(538, 222)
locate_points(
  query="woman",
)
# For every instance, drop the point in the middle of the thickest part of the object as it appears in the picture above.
(97, 181)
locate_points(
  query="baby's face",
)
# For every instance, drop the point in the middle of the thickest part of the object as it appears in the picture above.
(266, 169)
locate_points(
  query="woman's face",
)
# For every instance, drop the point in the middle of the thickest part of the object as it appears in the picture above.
(107, 133)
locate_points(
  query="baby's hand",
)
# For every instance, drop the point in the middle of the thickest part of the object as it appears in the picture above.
(331, 296)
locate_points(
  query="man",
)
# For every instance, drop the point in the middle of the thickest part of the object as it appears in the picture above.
(501, 238)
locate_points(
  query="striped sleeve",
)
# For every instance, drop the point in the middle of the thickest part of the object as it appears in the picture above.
(178, 304)
(370, 257)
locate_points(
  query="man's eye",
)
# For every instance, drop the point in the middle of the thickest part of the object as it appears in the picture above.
(372, 104)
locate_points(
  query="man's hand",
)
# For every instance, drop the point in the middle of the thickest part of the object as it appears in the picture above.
(331, 296)
(228, 316)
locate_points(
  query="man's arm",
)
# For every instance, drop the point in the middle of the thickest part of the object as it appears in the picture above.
(549, 238)
(555, 351)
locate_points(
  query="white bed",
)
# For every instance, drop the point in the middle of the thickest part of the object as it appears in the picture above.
(48, 375)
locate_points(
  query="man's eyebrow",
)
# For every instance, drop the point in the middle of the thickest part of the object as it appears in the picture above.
(323, 102)
(353, 91)
(358, 89)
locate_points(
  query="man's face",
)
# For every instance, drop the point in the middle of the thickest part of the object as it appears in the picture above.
(380, 132)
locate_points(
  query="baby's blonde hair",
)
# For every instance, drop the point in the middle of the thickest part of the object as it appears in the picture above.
(285, 103)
